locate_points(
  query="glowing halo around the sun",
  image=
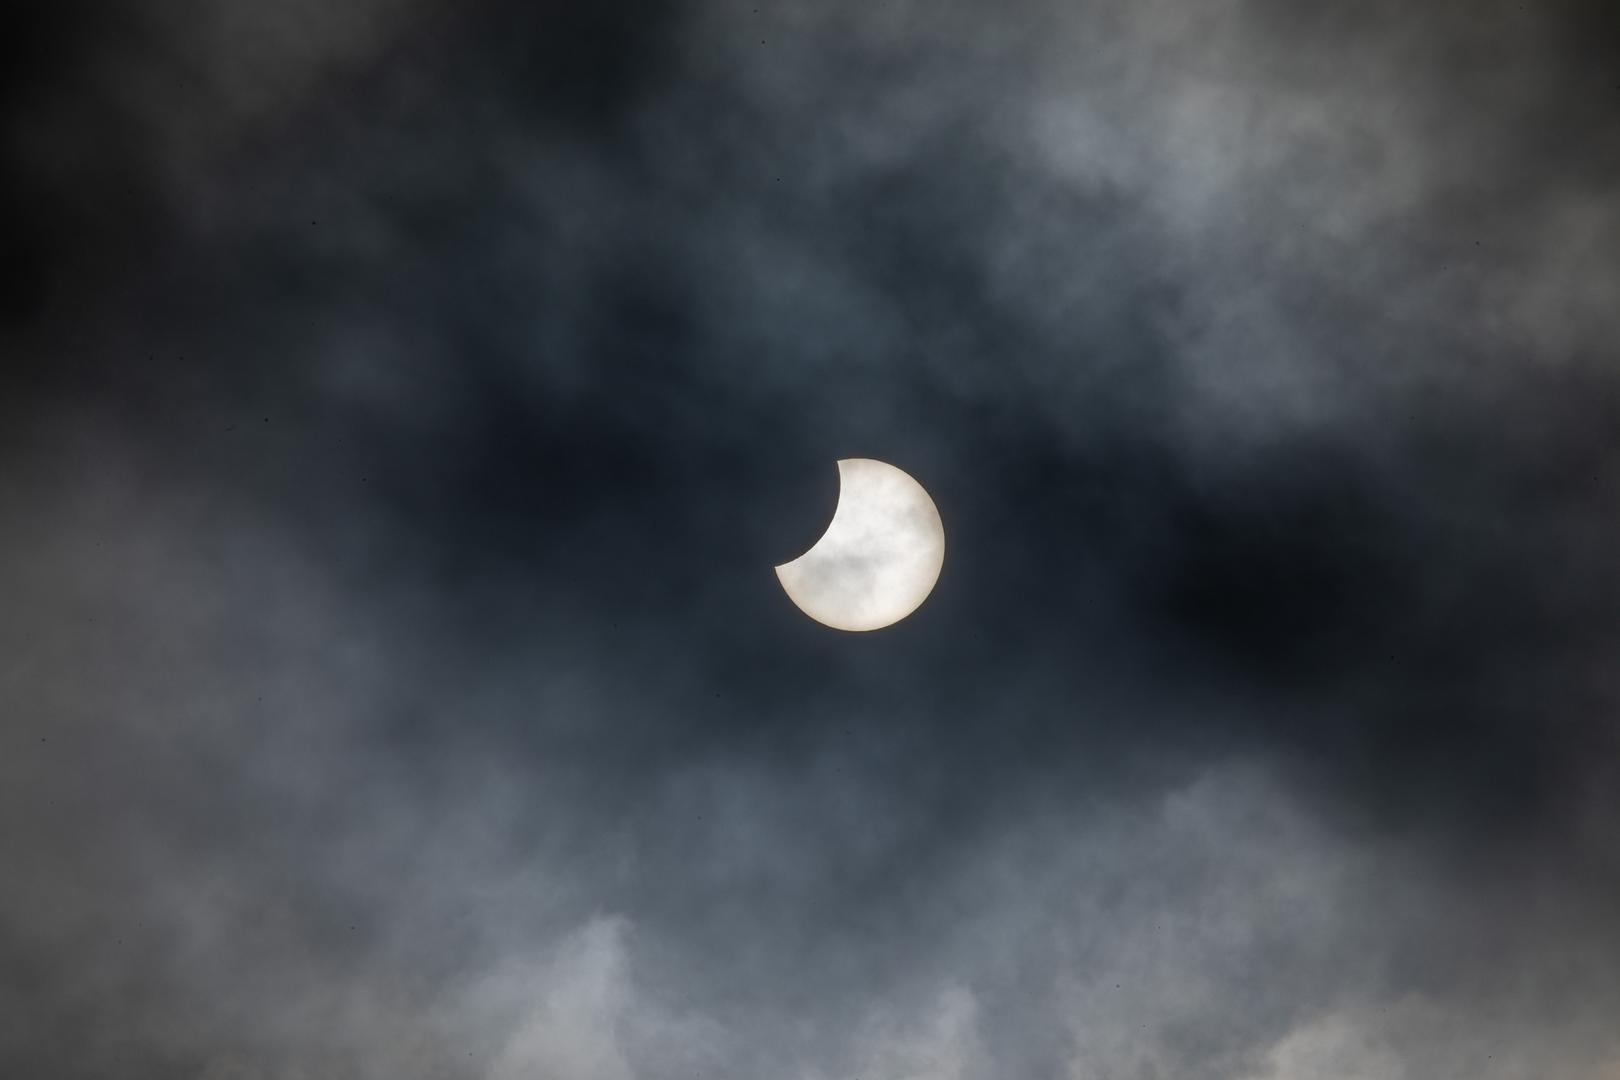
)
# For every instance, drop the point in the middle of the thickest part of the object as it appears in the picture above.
(878, 560)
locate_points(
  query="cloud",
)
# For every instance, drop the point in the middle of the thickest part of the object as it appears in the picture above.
(1332, 1047)
(942, 1044)
(405, 407)
(588, 1021)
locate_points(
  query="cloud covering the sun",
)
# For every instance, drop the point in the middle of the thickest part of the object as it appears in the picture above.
(405, 403)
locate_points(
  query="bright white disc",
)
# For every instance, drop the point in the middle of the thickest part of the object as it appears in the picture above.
(880, 557)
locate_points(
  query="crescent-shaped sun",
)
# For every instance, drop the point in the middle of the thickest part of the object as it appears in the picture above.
(879, 558)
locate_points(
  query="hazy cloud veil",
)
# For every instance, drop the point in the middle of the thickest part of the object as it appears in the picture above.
(405, 404)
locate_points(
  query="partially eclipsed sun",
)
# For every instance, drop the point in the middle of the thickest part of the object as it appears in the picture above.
(878, 560)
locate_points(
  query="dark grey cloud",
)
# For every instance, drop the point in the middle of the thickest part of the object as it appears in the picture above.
(405, 406)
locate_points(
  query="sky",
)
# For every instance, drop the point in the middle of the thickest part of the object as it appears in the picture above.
(405, 403)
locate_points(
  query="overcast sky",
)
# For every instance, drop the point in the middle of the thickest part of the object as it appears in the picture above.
(404, 405)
